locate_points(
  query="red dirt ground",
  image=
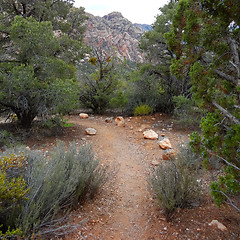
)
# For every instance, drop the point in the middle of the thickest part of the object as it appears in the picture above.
(125, 208)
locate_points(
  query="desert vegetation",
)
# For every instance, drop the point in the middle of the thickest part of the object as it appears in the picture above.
(191, 70)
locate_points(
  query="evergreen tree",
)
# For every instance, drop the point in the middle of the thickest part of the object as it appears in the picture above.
(206, 41)
(40, 41)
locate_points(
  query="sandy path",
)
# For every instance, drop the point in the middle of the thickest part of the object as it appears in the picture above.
(127, 218)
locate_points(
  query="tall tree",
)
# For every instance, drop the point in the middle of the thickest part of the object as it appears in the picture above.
(206, 41)
(160, 56)
(98, 89)
(40, 41)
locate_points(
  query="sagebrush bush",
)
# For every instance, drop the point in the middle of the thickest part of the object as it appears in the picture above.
(174, 182)
(143, 110)
(57, 183)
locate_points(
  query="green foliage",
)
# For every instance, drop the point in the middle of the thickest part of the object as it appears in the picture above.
(36, 70)
(174, 182)
(143, 110)
(157, 85)
(145, 87)
(10, 234)
(57, 183)
(6, 138)
(13, 190)
(185, 112)
(205, 39)
(120, 100)
(97, 90)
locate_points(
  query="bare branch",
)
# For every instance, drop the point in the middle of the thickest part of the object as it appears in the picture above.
(230, 164)
(225, 76)
(226, 113)
(229, 199)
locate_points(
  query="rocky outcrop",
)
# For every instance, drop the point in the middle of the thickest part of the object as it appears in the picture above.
(114, 33)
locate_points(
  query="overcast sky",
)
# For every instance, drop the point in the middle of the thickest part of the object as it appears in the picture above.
(137, 11)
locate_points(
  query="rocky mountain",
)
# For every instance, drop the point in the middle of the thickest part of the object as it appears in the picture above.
(144, 27)
(115, 33)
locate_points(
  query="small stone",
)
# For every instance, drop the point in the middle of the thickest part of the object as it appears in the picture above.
(109, 120)
(90, 131)
(218, 225)
(155, 163)
(83, 115)
(168, 154)
(120, 121)
(165, 144)
(163, 135)
(150, 134)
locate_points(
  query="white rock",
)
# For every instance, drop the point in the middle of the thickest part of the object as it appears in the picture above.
(150, 134)
(218, 225)
(83, 115)
(165, 144)
(90, 131)
(120, 121)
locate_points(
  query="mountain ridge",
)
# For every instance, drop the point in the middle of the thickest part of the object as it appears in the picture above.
(114, 33)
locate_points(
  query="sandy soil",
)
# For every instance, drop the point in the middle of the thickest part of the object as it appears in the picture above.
(125, 207)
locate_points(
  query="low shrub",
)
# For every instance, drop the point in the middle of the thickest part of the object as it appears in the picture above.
(57, 183)
(13, 190)
(185, 113)
(175, 182)
(143, 110)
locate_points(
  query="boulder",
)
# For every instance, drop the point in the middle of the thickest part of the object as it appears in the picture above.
(90, 131)
(218, 225)
(120, 121)
(83, 115)
(165, 144)
(169, 154)
(150, 134)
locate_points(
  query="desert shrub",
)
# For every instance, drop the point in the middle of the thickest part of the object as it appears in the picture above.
(6, 138)
(57, 182)
(13, 190)
(185, 112)
(175, 182)
(143, 110)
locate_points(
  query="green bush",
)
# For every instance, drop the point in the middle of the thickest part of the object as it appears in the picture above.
(174, 182)
(6, 138)
(143, 110)
(57, 182)
(13, 190)
(185, 113)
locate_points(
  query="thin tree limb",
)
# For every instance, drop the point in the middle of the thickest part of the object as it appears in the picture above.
(226, 113)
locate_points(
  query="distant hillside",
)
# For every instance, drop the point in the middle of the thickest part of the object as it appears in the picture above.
(145, 27)
(116, 33)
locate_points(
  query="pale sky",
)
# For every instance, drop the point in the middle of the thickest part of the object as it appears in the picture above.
(136, 11)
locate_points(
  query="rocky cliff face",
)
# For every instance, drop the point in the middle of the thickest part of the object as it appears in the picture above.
(114, 33)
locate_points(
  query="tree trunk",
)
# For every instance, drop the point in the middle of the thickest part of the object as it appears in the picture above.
(26, 119)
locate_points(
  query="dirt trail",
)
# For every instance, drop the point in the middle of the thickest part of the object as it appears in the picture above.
(125, 209)
(114, 145)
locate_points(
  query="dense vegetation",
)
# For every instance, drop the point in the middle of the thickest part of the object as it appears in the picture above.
(192, 70)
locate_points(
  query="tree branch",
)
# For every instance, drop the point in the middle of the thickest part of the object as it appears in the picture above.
(226, 113)
(228, 198)
(225, 76)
